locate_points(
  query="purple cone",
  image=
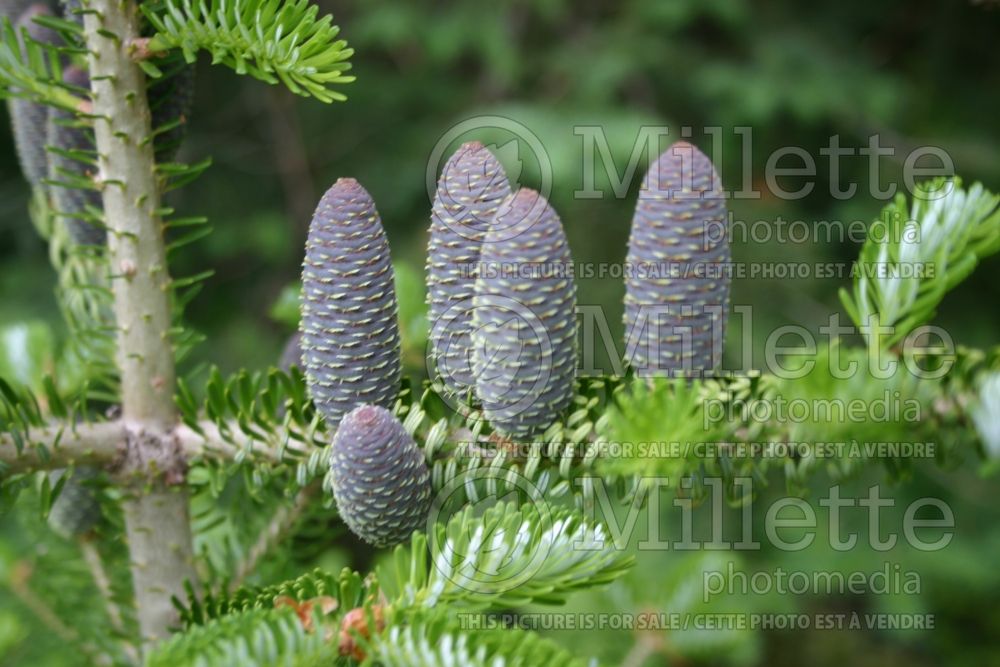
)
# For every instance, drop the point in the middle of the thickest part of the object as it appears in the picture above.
(524, 321)
(677, 284)
(380, 479)
(74, 205)
(471, 188)
(171, 99)
(30, 119)
(77, 510)
(350, 335)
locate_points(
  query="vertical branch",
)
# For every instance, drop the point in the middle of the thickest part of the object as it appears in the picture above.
(131, 198)
(156, 503)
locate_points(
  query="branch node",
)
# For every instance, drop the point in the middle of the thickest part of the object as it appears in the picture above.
(153, 456)
(138, 49)
(128, 269)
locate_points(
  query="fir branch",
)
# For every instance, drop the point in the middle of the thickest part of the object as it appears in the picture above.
(271, 40)
(25, 447)
(510, 556)
(60, 446)
(654, 410)
(259, 637)
(87, 306)
(21, 587)
(436, 642)
(912, 259)
(692, 430)
(95, 563)
(986, 413)
(347, 588)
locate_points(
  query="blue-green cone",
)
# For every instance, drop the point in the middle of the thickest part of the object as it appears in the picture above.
(76, 206)
(77, 509)
(471, 188)
(677, 280)
(524, 321)
(380, 479)
(350, 334)
(30, 119)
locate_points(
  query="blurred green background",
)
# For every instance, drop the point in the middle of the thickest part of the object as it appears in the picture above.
(916, 73)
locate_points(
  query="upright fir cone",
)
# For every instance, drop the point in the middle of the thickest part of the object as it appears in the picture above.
(30, 119)
(77, 510)
(524, 320)
(677, 288)
(77, 206)
(380, 479)
(471, 188)
(350, 335)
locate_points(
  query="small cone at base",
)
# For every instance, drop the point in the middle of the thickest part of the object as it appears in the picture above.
(380, 479)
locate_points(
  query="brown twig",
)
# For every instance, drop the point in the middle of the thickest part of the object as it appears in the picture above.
(291, 156)
(20, 586)
(281, 523)
(100, 576)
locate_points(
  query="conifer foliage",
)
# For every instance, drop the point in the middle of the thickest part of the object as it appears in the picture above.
(488, 508)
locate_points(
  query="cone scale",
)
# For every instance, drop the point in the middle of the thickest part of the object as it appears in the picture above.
(170, 102)
(77, 510)
(28, 118)
(75, 206)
